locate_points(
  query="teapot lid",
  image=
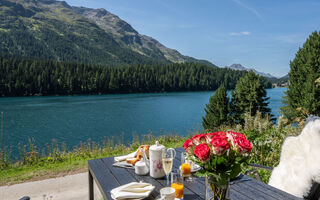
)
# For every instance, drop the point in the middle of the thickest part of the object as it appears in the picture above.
(157, 147)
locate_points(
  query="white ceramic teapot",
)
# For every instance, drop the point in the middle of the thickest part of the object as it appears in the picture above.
(155, 157)
(155, 160)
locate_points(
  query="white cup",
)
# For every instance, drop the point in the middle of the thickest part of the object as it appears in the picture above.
(167, 193)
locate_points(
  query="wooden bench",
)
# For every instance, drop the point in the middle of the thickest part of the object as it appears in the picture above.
(108, 177)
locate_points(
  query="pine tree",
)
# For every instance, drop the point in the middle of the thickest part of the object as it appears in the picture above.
(217, 110)
(249, 96)
(303, 95)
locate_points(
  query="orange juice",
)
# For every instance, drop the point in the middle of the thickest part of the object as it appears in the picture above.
(186, 169)
(179, 189)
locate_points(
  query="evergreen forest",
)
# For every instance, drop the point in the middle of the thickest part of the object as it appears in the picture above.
(21, 77)
(303, 95)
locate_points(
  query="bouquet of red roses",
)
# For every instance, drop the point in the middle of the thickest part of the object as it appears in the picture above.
(220, 154)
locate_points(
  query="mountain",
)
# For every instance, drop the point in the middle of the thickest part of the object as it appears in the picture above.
(283, 80)
(240, 67)
(286, 77)
(54, 30)
(124, 32)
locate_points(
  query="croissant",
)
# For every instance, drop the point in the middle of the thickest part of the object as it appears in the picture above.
(139, 155)
(132, 161)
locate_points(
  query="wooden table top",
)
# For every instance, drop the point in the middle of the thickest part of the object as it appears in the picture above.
(108, 177)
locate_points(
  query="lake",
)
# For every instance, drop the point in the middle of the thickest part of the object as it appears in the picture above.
(72, 119)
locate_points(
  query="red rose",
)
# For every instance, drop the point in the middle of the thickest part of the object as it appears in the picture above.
(211, 135)
(217, 133)
(202, 151)
(188, 146)
(220, 144)
(187, 143)
(243, 145)
(232, 136)
(239, 142)
(199, 139)
(235, 134)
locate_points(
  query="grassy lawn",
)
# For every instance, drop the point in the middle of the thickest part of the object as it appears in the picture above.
(39, 172)
(61, 163)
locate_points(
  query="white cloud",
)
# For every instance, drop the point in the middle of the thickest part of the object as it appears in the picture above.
(250, 8)
(245, 33)
(240, 33)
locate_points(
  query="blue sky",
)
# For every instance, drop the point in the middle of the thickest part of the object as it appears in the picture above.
(260, 34)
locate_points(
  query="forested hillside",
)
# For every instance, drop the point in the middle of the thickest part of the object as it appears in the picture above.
(51, 30)
(51, 48)
(19, 77)
(54, 30)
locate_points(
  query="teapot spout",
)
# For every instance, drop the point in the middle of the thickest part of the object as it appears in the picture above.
(145, 157)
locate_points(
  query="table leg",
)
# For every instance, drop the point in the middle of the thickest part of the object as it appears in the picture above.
(90, 186)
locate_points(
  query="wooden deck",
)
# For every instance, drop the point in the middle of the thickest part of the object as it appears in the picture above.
(108, 177)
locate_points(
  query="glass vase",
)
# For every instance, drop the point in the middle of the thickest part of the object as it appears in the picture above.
(216, 191)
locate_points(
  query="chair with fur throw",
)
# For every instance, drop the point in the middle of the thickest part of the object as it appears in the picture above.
(298, 172)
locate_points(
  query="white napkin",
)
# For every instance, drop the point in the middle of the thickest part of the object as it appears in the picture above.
(123, 164)
(130, 155)
(133, 190)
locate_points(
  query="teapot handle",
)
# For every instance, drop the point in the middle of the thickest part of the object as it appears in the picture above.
(173, 152)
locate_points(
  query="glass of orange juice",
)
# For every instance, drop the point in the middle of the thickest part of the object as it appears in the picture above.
(186, 169)
(186, 165)
(177, 184)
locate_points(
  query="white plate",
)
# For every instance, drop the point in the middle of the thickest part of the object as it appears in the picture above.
(195, 168)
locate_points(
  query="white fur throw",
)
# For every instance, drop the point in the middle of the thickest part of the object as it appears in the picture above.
(299, 161)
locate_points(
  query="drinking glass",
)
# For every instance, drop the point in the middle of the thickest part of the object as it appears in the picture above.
(177, 184)
(186, 165)
(167, 193)
(167, 161)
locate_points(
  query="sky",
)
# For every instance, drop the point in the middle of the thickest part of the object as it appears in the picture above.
(260, 34)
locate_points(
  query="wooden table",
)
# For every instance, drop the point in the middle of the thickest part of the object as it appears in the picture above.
(108, 177)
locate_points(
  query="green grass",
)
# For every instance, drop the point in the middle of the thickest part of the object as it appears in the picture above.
(37, 172)
(267, 140)
(59, 162)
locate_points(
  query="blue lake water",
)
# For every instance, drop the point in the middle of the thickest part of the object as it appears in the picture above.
(72, 119)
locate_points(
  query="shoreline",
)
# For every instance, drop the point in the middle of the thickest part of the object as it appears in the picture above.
(124, 93)
(114, 93)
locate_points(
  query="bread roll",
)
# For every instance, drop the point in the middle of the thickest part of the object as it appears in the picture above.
(139, 155)
(132, 161)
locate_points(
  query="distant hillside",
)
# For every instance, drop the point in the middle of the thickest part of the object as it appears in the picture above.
(124, 32)
(240, 67)
(21, 77)
(54, 30)
(286, 77)
(280, 82)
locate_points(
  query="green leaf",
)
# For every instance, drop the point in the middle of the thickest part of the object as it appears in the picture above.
(222, 160)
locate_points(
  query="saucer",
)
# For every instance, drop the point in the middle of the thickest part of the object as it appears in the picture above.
(195, 168)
